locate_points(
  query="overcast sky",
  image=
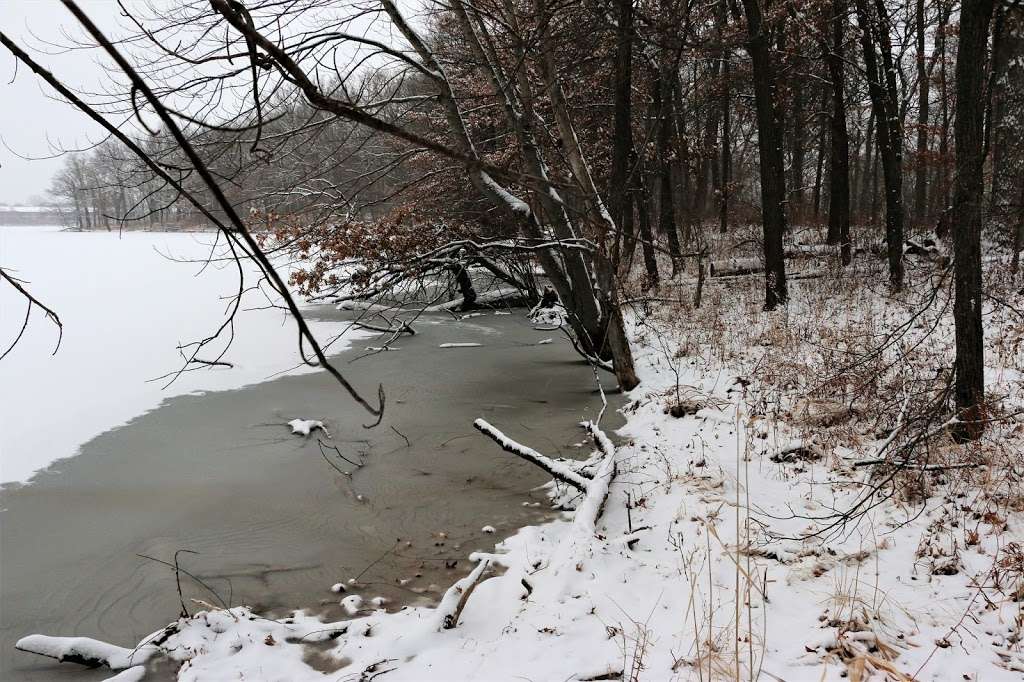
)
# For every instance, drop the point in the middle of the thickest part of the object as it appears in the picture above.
(32, 123)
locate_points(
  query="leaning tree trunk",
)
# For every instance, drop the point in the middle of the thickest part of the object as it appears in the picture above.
(971, 65)
(769, 138)
(613, 343)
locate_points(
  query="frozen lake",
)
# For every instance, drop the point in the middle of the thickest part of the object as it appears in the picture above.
(272, 524)
(126, 301)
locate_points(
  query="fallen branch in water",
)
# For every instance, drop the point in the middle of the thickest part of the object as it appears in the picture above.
(558, 470)
(402, 328)
(85, 651)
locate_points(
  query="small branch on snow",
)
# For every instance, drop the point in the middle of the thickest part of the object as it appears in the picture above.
(211, 363)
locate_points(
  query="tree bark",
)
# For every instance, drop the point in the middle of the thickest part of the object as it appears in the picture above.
(875, 40)
(920, 163)
(971, 65)
(643, 202)
(666, 208)
(769, 137)
(839, 158)
(726, 171)
(620, 203)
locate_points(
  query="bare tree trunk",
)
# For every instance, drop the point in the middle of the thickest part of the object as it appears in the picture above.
(839, 158)
(971, 65)
(1007, 88)
(818, 171)
(643, 202)
(620, 203)
(666, 208)
(726, 172)
(876, 42)
(920, 165)
(769, 136)
(865, 191)
(942, 172)
(708, 176)
(797, 154)
(612, 343)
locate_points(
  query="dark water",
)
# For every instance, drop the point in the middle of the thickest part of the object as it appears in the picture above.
(273, 525)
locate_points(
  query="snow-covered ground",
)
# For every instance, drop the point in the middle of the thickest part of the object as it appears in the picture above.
(722, 549)
(125, 306)
(700, 567)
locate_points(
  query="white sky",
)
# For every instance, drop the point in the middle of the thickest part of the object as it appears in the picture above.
(35, 125)
(32, 123)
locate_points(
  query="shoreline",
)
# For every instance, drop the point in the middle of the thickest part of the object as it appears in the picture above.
(283, 526)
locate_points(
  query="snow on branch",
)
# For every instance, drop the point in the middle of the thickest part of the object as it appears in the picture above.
(85, 651)
(454, 600)
(558, 470)
(588, 511)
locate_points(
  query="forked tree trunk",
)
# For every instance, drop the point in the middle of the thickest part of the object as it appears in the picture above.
(769, 138)
(971, 66)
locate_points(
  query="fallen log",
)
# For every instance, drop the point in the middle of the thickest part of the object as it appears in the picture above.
(402, 328)
(749, 266)
(736, 266)
(455, 598)
(558, 470)
(86, 651)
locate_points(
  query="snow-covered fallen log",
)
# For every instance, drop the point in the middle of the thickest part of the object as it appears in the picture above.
(558, 470)
(736, 266)
(455, 598)
(594, 487)
(460, 345)
(401, 328)
(588, 511)
(85, 651)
